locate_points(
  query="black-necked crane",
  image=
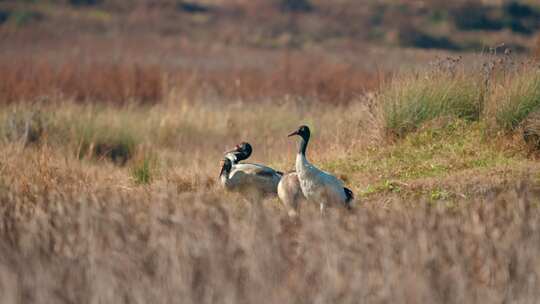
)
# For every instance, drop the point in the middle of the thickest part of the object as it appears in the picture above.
(241, 152)
(288, 189)
(247, 178)
(318, 186)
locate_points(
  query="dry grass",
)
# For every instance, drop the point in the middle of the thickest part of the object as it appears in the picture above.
(23, 80)
(312, 77)
(63, 244)
(187, 133)
(87, 230)
(121, 83)
(114, 196)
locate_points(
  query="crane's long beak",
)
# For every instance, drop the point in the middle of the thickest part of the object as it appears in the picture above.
(233, 150)
(222, 169)
(293, 133)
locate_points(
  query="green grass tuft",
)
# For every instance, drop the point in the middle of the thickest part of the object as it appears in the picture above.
(410, 101)
(144, 170)
(518, 100)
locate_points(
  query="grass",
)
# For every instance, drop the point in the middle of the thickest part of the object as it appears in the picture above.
(90, 132)
(138, 246)
(447, 208)
(144, 170)
(98, 141)
(111, 82)
(25, 127)
(502, 94)
(437, 151)
(518, 99)
(90, 232)
(413, 99)
(124, 82)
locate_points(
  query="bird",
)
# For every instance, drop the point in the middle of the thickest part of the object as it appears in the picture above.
(241, 152)
(290, 193)
(288, 189)
(247, 178)
(317, 185)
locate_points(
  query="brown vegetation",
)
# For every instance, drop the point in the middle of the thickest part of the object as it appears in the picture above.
(455, 25)
(27, 80)
(132, 245)
(112, 131)
(123, 83)
(447, 214)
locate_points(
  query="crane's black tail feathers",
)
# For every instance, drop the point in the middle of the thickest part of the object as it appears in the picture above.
(350, 196)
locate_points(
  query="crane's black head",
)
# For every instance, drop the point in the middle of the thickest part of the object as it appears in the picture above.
(241, 151)
(226, 167)
(303, 131)
(244, 150)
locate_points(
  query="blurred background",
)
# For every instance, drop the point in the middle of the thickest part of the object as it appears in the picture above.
(118, 50)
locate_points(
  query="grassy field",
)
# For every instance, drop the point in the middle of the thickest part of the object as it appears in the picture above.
(115, 114)
(108, 192)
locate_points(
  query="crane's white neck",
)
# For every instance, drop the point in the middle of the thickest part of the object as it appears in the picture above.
(232, 157)
(301, 163)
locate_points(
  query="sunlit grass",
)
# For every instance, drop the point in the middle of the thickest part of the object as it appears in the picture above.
(412, 99)
(517, 98)
(437, 150)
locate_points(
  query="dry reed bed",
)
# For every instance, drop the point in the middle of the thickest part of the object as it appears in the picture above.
(137, 246)
(124, 82)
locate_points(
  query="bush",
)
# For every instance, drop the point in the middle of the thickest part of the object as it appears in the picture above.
(519, 18)
(410, 101)
(192, 8)
(296, 6)
(411, 37)
(4, 16)
(518, 10)
(84, 2)
(473, 15)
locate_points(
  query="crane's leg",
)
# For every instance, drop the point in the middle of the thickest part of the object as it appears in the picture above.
(323, 208)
